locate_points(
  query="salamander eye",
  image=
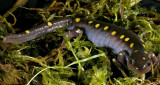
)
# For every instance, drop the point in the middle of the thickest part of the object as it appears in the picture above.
(131, 61)
(148, 63)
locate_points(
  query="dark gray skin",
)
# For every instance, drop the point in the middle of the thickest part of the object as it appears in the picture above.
(138, 62)
(39, 31)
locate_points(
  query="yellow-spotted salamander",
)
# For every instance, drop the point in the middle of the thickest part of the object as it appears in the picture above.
(123, 42)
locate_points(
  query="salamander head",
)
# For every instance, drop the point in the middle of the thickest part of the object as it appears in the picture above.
(139, 62)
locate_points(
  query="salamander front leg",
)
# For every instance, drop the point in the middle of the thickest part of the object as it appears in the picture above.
(153, 57)
(155, 63)
(122, 57)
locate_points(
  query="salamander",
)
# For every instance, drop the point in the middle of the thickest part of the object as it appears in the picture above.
(123, 42)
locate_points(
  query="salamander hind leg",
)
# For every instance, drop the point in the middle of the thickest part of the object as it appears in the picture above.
(73, 33)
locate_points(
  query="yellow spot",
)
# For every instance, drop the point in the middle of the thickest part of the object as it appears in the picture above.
(27, 31)
(126, 39)
(121, 37)
(90, 22)
(97, 25)
(78, 30)
(153, 54)
(149, 57)
(131, 45)
(77, 19)
(49, 23)
(113, 33)
(120, 54)
(144, 46)
(146, 52)
(141, 40)
(105, 28)
(135, 50)
(144, 58)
